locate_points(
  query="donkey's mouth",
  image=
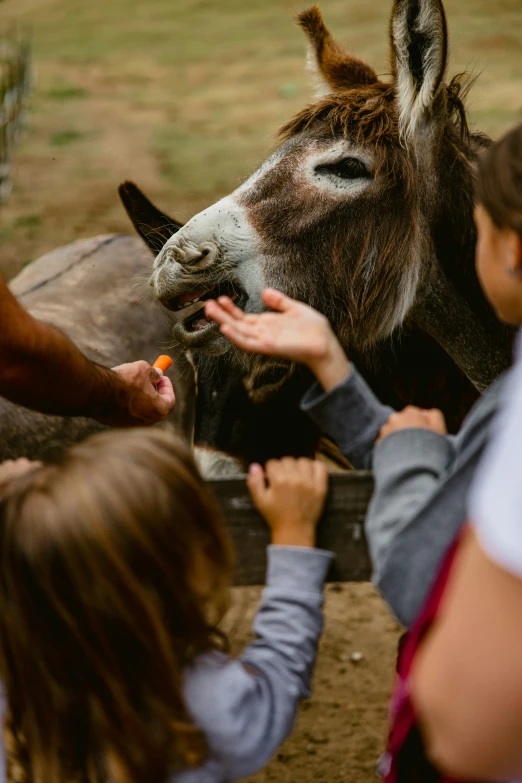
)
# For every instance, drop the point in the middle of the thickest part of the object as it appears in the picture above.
(185, 301)
(192, 327)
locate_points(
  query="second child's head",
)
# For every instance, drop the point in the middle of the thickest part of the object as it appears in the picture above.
(114, 570)
(499, 221)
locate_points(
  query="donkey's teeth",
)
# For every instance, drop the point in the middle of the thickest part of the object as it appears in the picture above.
(192, 296)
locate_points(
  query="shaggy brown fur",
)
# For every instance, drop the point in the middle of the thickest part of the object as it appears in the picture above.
(368, 113)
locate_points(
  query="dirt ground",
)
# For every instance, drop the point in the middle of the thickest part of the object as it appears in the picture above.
(184, 96)
(341, 730)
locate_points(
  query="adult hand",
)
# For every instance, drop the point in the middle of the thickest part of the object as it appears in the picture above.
(295, 331)
(414, 418)
(149, 396)
(290, 495)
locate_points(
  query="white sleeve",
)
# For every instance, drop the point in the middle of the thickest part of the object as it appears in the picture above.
(495, 501)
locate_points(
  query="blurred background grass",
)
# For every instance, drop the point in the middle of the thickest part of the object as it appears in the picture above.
(184, 97)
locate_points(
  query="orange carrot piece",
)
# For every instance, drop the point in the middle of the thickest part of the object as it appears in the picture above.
(163, 363)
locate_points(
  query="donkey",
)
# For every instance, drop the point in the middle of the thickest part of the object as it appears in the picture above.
(365, 211)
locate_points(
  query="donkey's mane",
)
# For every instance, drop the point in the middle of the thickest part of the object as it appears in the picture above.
(368, 113)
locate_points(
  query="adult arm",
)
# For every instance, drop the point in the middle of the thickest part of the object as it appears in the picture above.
(467, 680)
(247, 707)
(41, 368)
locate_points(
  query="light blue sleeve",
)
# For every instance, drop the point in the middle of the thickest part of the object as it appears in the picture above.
(246, 707)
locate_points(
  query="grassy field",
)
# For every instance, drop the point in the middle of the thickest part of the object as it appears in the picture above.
(184, 96)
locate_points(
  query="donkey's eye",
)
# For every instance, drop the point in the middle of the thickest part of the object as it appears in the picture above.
(349, 168)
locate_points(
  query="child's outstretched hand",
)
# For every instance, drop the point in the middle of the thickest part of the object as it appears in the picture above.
(295, 331)
(290, 494)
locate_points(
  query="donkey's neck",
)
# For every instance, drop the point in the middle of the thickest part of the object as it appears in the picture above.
(469, 332)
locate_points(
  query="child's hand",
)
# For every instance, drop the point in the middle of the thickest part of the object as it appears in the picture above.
(296, 332)
(290, 494)
(13, 468)
(414, 418)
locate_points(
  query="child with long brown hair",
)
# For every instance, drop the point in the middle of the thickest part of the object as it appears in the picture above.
(114, 575)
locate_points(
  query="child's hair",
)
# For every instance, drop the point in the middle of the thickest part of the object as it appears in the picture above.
(114, 571)
(499, 181)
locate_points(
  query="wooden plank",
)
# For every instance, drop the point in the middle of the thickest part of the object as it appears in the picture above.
(341, 529)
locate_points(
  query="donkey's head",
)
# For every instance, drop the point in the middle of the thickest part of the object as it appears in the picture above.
(371, 184)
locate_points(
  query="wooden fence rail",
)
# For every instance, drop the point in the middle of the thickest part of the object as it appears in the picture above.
(15, 81)
(341, 529)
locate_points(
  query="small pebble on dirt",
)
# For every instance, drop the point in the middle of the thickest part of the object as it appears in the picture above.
(356, 657)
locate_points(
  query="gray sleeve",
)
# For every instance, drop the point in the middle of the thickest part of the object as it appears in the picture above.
(247, 707)
(350, 415)
(411, 557)
(408, 466)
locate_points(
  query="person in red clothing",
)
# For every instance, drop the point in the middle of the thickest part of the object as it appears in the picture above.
(41, 368)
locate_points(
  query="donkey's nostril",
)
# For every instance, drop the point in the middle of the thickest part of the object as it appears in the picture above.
(186, 252)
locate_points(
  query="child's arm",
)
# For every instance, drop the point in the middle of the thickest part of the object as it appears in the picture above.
(247, 707)
(341, 403)
(344, 408)
(293, 331)
(409, 466)
(410, 459)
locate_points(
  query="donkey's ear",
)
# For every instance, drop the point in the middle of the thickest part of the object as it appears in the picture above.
(333, 67)
(153, 226)
(419, 52)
